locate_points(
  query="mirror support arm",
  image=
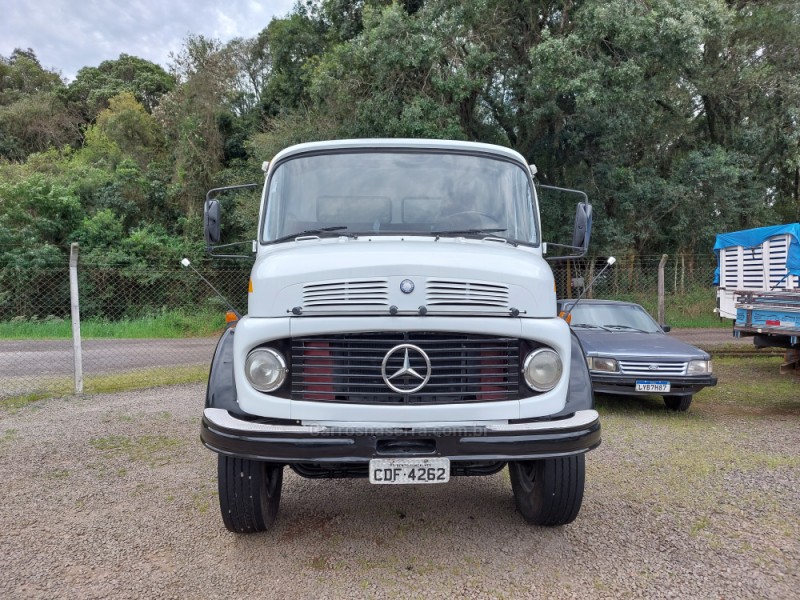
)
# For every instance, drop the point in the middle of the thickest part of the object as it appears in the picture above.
(210, 250)
(566, 190)
(211, 200)
(582, 250)
(211, 194)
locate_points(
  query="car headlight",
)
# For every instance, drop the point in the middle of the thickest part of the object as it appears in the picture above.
(265, 369)
(699, 367)
(601, 363)
(542, 369)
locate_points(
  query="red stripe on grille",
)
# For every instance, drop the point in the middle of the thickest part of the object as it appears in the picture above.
(319, 377)
(492, 381)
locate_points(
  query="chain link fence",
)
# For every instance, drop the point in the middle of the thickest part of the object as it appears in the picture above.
(140, 324)
(158, 324)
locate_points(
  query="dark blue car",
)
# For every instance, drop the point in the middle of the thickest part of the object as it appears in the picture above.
(629, 353)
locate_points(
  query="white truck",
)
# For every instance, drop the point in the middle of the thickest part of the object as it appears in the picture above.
(758, 279)
(401, 326)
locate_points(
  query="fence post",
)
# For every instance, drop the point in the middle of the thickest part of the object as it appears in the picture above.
(76, 317)
(661, 288)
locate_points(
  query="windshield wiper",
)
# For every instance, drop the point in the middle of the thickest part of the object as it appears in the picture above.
(589, 326)
(293, 236)
(438, 234)
(626, 327)
(467, 231)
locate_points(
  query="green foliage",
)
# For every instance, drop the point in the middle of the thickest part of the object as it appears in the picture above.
(623, 96)
(126, 124)
(94, 87)
(35, 123)
(164, 324)
(678, 117)
(293, 43)
(37, 210)
(22, 75)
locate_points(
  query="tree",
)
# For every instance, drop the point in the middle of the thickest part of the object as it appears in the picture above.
(294, 44)
(32, 117)
(35, 123)
(190, 115)
(647, 105)
(93, 87)
(38, 211)
(21, 75)
(130, 128)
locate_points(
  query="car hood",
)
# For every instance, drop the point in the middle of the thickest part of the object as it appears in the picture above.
(635, 345)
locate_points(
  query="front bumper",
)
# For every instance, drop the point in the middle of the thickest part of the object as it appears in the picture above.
(226, 434)
(626, 384)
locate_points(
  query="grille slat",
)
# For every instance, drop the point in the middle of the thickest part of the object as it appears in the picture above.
(347, 368)
(443, 292)
(372, 292)
(652, 368)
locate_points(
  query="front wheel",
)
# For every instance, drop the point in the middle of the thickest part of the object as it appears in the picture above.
(249, 493)
(678, 403)
(549, 491)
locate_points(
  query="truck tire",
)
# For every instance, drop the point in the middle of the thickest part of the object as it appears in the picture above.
(549, 491)
(678, 403)
(249, 493)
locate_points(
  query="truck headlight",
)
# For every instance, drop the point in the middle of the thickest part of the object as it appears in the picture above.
(699, 367)
(542, 369)
(601, 363)
(265, 369)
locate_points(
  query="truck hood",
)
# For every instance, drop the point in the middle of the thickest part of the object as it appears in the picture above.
(410, 276)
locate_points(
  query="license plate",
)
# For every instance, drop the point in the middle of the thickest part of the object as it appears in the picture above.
(409, 470)
(652, 386)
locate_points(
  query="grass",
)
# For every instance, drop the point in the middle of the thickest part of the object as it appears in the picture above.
(694, 309)
(703, 454)
(149, 449)
(747, 385)
(752, 385)
(167, 324)
(116, 382)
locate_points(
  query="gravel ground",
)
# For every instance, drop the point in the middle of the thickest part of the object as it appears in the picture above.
(112, 496)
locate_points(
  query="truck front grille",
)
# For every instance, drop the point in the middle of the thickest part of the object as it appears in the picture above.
(348, 368)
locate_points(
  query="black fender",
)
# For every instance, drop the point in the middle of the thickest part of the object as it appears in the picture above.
(221, 390)
(580, 395)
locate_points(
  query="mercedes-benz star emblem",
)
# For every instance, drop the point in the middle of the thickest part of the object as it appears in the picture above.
(407, 375)
(406, 286)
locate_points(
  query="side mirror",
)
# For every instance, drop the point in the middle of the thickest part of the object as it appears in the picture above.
(583, 226)
(211, 222)
(666, 328)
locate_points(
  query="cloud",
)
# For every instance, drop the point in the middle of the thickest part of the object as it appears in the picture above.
(67, 36)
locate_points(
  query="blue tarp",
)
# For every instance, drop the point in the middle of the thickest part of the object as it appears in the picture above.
(751, 238)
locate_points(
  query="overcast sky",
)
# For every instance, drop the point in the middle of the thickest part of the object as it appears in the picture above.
(70, 34)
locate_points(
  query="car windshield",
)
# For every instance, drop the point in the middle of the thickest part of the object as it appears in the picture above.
(391, 192)
(613, 317)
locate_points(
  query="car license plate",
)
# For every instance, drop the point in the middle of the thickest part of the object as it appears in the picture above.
(409, 470)
(652, 386)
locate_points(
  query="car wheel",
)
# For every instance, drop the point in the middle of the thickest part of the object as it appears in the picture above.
(249, 493)
(548, 491)
(678, 403)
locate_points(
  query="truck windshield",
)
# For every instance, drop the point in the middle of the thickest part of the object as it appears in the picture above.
(393, 192)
